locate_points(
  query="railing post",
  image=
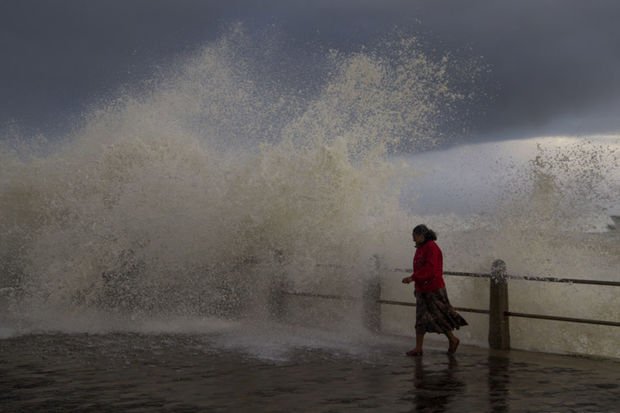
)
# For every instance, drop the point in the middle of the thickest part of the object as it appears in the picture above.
(277, 287)
(371, 296)
(499, 327)
(276, 299)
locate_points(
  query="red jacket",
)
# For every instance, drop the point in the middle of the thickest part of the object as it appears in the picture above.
(428, 268)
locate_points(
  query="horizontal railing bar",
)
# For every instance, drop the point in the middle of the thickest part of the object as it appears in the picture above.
(514, 314)
(406, 304)
(390, 302)
(566, 280)
(457, 273)
(467, 274)
(472, 310)
(467, 310)
(568, 319)
(327, 296)
(511, 277)
(337, 266)
(526, 278)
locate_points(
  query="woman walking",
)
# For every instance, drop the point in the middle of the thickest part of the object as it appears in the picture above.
(434, 314)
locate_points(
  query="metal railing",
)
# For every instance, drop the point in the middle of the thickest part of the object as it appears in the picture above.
(498, 311)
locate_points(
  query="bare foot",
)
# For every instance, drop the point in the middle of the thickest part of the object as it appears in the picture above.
(414, 353)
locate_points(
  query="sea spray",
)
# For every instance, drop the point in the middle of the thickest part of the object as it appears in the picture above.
(554, 197)
(547, 220)
(177, 205)
(190, 196)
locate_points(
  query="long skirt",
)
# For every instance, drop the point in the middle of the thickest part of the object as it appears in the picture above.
(435, 314)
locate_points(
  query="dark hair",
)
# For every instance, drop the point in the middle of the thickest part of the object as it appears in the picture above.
(428, 234)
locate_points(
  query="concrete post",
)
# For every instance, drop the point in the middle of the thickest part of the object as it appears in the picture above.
(499, 326)
(278, 287)
(276, 300)
(372, 294)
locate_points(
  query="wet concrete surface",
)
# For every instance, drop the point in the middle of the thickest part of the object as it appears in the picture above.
(190, 373)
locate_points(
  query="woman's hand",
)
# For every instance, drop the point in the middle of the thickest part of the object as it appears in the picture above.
(407, 280)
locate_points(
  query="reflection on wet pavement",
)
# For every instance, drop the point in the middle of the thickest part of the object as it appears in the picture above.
(189, 373)
(436, 389)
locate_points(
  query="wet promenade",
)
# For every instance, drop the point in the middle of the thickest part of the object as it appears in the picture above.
(194, 373)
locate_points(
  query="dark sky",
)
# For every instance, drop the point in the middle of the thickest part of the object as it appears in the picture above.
(554, 66)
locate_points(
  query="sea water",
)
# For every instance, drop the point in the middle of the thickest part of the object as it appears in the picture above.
(178, 205)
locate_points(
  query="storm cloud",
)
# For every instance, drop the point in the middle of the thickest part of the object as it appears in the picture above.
(550, 66)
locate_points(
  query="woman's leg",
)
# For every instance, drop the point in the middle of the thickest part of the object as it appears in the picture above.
(454, 342)
(419, 342)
